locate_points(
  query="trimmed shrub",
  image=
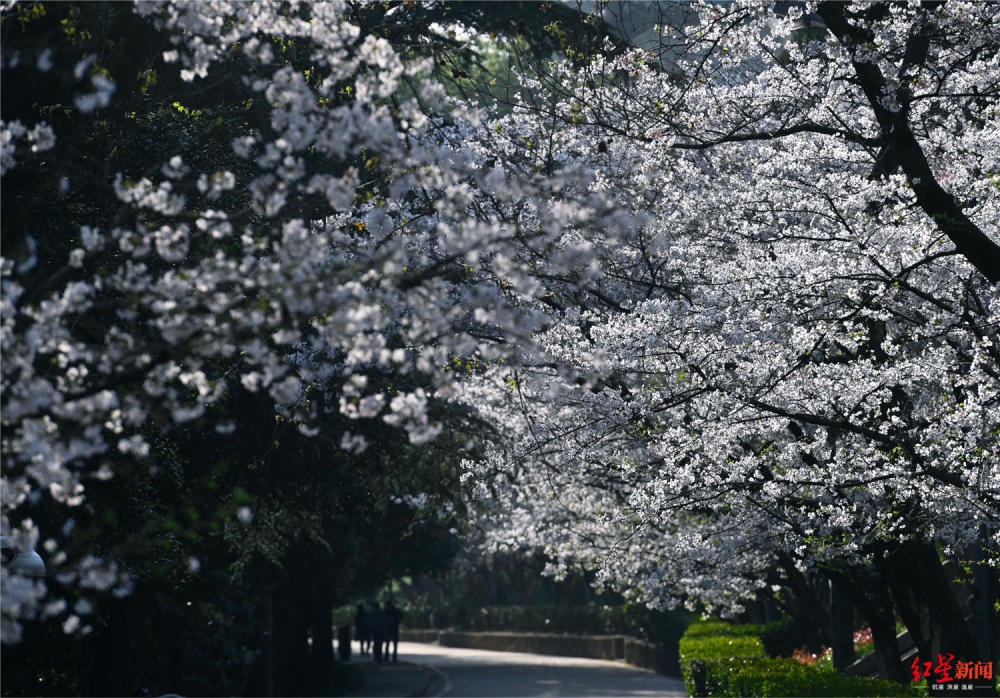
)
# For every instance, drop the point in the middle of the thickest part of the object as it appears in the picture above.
(718, 659)
(781, 637)
(786, 677)
(709, 628)
(709, 658)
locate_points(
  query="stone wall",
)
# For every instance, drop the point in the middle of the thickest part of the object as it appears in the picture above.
(653, 656)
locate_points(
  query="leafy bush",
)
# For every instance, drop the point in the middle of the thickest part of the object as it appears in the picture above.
(709, 656)
(718, 659)
(712, 628)
(781, 638)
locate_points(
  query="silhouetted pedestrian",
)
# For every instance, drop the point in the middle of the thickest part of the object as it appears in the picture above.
(362, 628)
(394, 616)
(378, 621)
(344, 642)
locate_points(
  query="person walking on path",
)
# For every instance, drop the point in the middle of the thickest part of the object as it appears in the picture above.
(362, 628)
(378, 623)
(394, 616)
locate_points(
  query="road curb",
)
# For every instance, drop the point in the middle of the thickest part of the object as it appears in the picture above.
(436, 673)
(422, 691)
(405, 684)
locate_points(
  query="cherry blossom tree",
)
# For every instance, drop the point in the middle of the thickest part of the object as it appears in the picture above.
(730, 304)
(791, 365)
(330, 244)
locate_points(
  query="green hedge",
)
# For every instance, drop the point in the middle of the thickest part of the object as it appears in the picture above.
(780, 638)
(719, 659)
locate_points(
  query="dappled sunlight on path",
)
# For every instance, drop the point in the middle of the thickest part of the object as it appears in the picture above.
(486, 673)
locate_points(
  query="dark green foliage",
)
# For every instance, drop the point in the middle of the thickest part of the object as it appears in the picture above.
(214, 602)
(636, 621)
(719, 659)
(217, 606)
(208, 590)
(780, 638)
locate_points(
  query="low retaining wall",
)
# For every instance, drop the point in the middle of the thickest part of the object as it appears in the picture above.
(418, 635)
(654, 656)
(646, 655)
(593, 646)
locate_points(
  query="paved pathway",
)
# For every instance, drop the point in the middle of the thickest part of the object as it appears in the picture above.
(397, 680)
(468, 673)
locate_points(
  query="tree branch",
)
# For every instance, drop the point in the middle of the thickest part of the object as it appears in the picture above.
(950, 218)
(779, 133)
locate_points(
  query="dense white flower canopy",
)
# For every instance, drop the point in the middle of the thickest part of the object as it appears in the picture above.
(789, 357)
(381, 275)
(736, 304)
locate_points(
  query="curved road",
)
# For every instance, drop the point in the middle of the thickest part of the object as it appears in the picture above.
(468, 673)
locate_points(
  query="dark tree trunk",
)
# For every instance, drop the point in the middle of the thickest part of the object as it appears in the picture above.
(883, 625)
(291, 646)
(321, 624)
(808, 608)
(870, 596)
(985, 586)
(841, 626)
(926, 603)
(269, 630)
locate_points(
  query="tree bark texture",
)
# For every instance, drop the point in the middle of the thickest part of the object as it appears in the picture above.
(925, 601)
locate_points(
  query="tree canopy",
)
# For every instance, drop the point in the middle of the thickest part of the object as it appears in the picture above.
(706, 314)
(790, 364)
